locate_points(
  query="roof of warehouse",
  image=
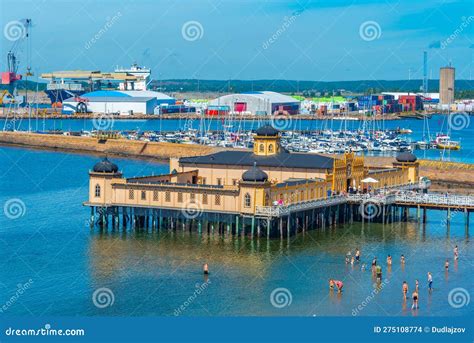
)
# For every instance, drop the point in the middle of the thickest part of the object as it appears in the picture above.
(247, 158)
(126, 94)
(272, 97)
(112, 99)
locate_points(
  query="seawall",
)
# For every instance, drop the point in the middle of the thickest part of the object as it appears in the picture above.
(121, 147)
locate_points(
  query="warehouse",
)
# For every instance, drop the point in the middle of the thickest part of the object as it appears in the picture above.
(121, 102)
(258, 103)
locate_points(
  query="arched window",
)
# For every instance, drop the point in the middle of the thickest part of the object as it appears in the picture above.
(97, 191)
(270, 148)
(262, 148)
(247, 200)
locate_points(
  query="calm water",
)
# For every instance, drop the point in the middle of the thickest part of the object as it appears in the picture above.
(437, 124)
(156, 273)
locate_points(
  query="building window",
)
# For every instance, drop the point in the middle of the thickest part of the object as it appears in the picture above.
(270, 148)
(217, 200)
(180, 197)
(143, 195)
(167, 196)
(234, 182)
(262, 148)
(97, 191)
(203, 180)
(131, 194)
(219, 182)
(204, 199)
(192, 198)
(155, 195)
(247, 200)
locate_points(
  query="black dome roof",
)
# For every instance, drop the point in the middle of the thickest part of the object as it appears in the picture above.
(267, 130)
(406, 156)
(255, 174)
(105, 166)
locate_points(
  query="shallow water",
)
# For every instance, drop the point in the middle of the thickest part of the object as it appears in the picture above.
(160, 273)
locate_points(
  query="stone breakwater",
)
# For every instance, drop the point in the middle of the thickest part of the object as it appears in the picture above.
(120, 147)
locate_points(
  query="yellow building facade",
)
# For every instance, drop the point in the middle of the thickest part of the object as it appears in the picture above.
(239, 182)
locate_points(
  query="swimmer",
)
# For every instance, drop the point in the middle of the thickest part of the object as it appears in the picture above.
(205, 269)
(339, 285)
(389, 260)
(446, 265)
(357, 255)
(430, 281)
(456, 253)
(414, 296)
(405, 289)
(402, 259)
(378, 270)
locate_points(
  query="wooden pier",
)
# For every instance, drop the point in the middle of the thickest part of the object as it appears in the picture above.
(285, 221)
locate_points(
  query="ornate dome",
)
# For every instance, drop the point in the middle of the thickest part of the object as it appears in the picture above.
(255, 174)
(267, 130)
(406, 156)
(105, 166)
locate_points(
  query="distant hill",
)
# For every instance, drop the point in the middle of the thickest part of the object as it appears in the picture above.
(310, 88)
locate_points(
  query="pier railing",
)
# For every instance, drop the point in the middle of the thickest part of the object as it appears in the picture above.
(384, 199)
(283, 210)
(436, 199)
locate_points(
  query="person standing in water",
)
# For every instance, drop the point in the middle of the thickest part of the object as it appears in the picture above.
(205, 269)
(446, 265)
(416, 285)
(378, 270)
(389, 260)
(456, 253)
(339, 286)
(357, 254)
(414, 296)
(405, 290)
(402, 259)
(430, 281)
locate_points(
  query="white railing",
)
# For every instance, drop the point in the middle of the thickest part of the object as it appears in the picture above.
(380, 198)
(282, 210)
(436, 199)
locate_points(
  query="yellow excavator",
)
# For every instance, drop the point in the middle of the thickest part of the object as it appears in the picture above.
(6, 95)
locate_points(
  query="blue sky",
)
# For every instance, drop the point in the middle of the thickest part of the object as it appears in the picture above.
(249, 39)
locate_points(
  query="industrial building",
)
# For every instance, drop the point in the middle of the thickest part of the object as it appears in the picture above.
(120, 102)
(258, 103)
(446, 85)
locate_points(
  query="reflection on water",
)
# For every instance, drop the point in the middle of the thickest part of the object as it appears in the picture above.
(243, 272)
